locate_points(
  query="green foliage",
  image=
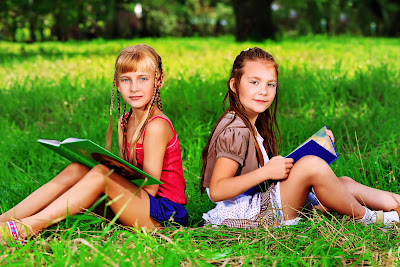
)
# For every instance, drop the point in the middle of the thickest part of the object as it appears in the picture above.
(187, 18)
(334, 17)
(43, 20)
(53, 90)
(161, 24)
(40, 20)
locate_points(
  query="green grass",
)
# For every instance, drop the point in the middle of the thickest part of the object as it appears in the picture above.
(53, 90)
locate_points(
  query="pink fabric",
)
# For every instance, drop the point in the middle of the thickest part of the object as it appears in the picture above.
(174, 183)
(13, 230)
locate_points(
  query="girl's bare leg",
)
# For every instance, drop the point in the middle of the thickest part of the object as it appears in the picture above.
(371, 197)
(85, 193)
(47, 193)
(331, 192)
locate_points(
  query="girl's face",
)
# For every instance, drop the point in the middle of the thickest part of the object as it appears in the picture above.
(257, 87)
(136, 88)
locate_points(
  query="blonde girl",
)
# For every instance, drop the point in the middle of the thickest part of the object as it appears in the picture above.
(146, 139)
(241, 156)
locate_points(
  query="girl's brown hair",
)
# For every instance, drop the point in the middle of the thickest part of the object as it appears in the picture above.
(130, 59)
(266, 123)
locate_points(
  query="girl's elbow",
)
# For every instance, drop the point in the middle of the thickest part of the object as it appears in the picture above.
(214, 196)
(213, 199)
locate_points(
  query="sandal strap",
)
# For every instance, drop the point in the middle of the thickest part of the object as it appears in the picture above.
(379, 216)
(13, 230)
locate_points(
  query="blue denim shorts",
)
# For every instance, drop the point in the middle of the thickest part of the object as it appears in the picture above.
(166, 212)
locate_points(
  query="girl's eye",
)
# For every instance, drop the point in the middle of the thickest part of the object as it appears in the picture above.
(143, 79)
(254, 82)
(271, 85)
(125, 80)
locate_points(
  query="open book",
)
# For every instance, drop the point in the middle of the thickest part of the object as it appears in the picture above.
(319, 144)
(90, 154)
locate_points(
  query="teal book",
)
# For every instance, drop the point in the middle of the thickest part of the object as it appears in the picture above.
(90, 154)
(319, 144)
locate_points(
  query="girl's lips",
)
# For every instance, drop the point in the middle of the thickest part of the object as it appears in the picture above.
(135, 97)
(260, 101)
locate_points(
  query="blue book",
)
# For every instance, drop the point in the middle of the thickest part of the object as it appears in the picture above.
(319, 144)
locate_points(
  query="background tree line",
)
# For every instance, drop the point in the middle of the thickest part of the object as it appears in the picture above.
(42, 20)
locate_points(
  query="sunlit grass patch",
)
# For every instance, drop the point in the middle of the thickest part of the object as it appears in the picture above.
(59, 90)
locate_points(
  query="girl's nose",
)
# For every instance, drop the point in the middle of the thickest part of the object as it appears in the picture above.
(263, 91)
(134, 88)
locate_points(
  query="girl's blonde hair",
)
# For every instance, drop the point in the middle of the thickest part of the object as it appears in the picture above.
(131, 59)
(266, 123)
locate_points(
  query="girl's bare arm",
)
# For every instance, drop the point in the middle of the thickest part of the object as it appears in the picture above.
(225, 185)
(158, 134)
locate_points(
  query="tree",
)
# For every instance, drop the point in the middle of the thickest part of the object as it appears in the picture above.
(384, 14)
(253, 20)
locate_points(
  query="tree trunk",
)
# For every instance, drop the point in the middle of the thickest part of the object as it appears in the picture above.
(13, 28)
(111, 18)
(390, 17)
(253, 20)
(32, 35)
(60, 27)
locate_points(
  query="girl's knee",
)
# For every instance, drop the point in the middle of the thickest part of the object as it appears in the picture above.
(346, 180)
(98, 174)
(71, 174)
(313, 166)
(100, 169)
(76, 168)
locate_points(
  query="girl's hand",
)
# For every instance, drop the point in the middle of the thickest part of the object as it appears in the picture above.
(278, 168)
(330, 134)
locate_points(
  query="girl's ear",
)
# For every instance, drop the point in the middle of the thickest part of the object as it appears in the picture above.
(232, 85)
(117, 85)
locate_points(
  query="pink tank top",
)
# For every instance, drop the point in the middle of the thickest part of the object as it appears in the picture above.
(174, 183)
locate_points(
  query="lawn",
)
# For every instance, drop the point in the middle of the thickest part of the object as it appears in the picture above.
(57, 90)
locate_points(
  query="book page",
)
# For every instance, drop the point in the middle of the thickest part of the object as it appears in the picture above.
(324, 140)
(72, 140)
(50, 142)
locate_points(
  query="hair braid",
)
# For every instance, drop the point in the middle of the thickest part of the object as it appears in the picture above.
(157, 85)
(112, 92)
(158, 99)
(122, 130)
(109, 130)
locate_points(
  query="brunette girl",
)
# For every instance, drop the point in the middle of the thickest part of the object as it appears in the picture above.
(242, 154)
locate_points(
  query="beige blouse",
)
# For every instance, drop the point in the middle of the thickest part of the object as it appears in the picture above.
(231, 139)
